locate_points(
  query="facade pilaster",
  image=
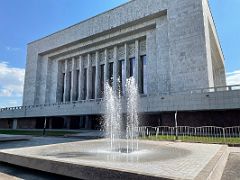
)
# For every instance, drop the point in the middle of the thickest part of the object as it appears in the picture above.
(89, 77)
(115, 69)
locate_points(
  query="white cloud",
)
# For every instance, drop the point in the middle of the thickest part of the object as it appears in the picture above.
(11, 83)
(233, 78)
(9, 48)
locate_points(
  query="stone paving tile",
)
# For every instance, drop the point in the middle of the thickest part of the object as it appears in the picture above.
(7, 177)
(10, 172)
(232, 169)
(35, 141)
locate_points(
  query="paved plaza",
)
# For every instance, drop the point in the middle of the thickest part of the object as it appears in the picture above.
(232, 169)
(5, 137)
(192, 161)
(10, 172)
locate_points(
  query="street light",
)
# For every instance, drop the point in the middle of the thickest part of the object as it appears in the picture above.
(176, 126)
(44, 126)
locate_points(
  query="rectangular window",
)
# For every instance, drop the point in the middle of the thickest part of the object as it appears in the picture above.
(93, 81)
(70, 86)
(121, 74)
(143, 76)
(85, 84)
(63, 83)
(102, 80)
(132, 67)
(77, 84)
(110, 71)
(124, 76)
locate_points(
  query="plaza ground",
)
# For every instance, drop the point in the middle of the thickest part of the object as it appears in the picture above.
(7, 171)
(11, 172)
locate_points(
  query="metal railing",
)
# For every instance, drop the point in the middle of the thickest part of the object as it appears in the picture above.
(210, 89)
(209, 134)
(192, 91)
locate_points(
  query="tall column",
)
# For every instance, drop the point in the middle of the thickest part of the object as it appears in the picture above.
(73, 74)
(126, 67)
(106, 66)
(81, 84)
(14, 126)
(68, 82)
(67, 121)
(115, 69)
(97, 79)
(137, 61)
(54, 82)
(89, 77)
(65, 81)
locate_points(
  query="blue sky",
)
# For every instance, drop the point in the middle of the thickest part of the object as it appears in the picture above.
(24, 21)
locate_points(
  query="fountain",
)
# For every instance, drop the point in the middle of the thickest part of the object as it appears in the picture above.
(114, 125)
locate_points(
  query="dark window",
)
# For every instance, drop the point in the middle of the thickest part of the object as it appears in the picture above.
(143, 77)
(77, 84)
(132, 67)
(110, 71)
(101, 80)
(69, 85)
(63, 83)
(85, 84)
(121, 71)
(93, 81)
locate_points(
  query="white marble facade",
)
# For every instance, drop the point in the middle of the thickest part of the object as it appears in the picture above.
(172, 43)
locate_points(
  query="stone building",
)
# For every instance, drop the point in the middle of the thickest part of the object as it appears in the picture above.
(169, 46)
(176, 40)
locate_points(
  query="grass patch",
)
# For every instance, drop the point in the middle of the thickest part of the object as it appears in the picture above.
(201, 139)
(37, 132)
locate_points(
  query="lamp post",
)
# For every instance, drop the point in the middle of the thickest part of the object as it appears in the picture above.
(176, 126)
(44, 126)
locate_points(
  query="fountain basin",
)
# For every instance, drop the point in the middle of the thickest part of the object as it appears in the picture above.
(93, 160)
